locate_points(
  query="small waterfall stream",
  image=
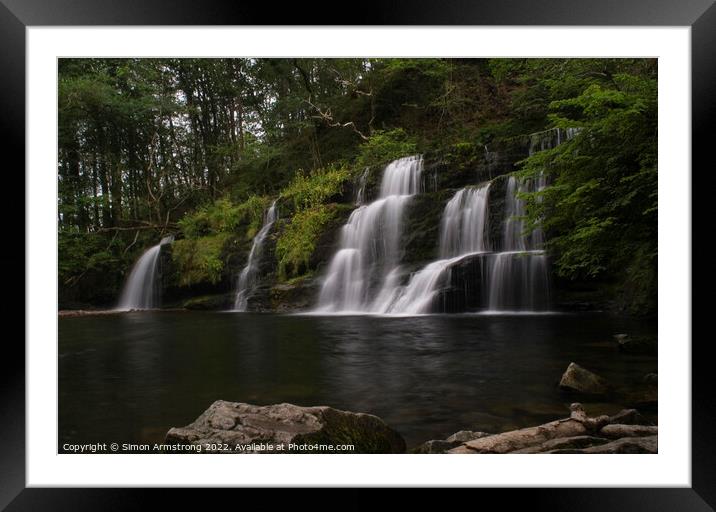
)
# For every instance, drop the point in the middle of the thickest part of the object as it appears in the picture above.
(519, 274)
(141, 290)
(247, 278)
(364, 273)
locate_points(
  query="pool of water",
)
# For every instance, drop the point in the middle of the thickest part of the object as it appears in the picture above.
(130, 377)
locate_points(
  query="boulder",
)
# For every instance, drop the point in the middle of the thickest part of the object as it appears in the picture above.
(286, 428)
(581, 381)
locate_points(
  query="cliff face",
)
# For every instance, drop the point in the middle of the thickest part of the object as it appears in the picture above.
(443, 175)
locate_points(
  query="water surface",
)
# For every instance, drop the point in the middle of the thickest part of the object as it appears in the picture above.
(130, 377)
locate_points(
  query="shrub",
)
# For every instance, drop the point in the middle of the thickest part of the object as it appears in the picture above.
(199, 260)
(223, 216)
(297, 242)
(385, 146)
(311, 190)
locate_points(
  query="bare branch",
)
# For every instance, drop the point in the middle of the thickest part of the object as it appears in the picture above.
(327, 117)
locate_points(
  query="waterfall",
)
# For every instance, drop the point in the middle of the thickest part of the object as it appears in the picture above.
(519, 275)
(551, 138)
(364, 273)
(141, 291)
(247, 278)
(362, 181)
(463, 227)
(463, 232)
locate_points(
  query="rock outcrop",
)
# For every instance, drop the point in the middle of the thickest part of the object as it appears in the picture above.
(286, 428)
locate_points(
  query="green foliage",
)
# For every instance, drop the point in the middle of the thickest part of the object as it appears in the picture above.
(199, 260)
(297, 242)
(82, 252)
(317, 187)
(385, 146)
(222, 216)
(601, 208)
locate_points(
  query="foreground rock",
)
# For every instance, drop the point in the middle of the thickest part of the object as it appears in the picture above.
(286, 428)
(577, 434)
(578, 380)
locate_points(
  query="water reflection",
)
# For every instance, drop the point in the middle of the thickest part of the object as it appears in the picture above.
(131, 377)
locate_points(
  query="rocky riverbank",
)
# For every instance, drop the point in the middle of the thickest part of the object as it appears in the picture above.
(625, 432)
(229, 427)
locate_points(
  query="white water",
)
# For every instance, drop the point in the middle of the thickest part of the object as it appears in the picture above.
(463, 232)
(519, 275)
(247, 278)
(362, 181)
(516, 279)
(364, 273)
(463, 228)
(551, 138)
(141, 290)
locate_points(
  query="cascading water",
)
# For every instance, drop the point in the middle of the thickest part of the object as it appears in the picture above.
(141, 291)
(515, 278)
(362, 181)
(463, 228)
(463, 232)
(364, 274)
(247, 278)
(551, 138)
(519, 275)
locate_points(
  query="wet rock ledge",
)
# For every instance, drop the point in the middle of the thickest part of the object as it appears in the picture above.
(229, 427)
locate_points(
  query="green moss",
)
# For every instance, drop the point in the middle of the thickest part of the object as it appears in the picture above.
(199, 260)
(367, 434)
(298, 240)
(210, 302)
(223, 216)
(320, 186)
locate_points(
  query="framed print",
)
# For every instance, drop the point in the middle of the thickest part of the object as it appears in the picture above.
(426, 249)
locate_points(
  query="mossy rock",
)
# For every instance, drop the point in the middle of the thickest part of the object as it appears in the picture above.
(218, 302)
(296, 429)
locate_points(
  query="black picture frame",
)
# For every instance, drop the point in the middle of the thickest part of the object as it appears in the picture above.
(17, 15)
